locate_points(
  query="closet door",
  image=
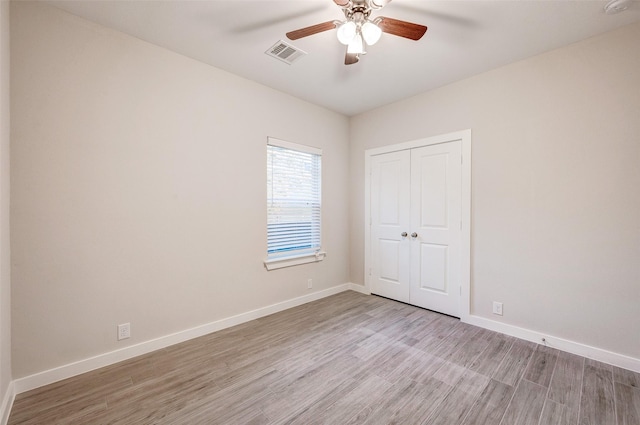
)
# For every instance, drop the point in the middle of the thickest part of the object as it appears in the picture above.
(436, 227)
(390, 220)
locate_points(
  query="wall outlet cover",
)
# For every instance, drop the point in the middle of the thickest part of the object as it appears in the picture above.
(124, 331)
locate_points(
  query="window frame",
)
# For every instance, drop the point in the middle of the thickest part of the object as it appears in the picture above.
(277, 261)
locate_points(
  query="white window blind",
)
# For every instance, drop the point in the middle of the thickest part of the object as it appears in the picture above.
(293, 199)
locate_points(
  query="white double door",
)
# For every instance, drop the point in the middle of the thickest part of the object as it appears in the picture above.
(416, 226)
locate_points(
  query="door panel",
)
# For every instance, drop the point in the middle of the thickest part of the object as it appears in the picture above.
(390, 271)
(389, 260)
(433, 190)
(435, 217)
(390, 192)
(433, 267)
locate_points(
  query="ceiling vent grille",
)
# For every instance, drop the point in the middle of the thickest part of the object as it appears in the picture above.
(285, 52)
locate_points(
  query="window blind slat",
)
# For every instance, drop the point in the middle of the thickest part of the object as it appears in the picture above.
(293, 200)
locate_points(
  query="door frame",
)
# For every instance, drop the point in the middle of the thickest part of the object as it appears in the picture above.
(464, 137)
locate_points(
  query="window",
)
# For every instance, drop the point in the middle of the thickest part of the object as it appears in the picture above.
(293, 204)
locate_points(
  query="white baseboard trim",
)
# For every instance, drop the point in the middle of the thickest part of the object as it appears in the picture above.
(7, 402)
(359, 288)
(599, 354)
(67, 371)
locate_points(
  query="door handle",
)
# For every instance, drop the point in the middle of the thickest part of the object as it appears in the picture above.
(414, 235)
(403, 234)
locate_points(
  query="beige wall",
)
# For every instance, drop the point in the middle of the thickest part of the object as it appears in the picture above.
(555, 186)
(138, 190)
(5, 257)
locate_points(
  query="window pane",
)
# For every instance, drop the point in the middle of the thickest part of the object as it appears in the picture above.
(293, 201)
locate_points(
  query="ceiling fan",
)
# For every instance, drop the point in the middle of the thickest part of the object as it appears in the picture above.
(358, 31)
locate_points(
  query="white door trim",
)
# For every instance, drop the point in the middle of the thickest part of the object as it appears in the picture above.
(465, 274)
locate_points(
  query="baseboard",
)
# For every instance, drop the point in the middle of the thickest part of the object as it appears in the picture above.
(599, 354)
(67, 371)
(359, 288)
(7, 402)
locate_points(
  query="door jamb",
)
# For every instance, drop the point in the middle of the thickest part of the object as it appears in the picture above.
(464, 137)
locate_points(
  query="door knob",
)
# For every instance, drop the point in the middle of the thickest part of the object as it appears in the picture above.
(414, 235)
(403, 234)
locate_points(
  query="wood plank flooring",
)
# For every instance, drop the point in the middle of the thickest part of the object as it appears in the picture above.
(346, 359)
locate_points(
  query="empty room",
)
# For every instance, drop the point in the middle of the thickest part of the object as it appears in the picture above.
(320, 212)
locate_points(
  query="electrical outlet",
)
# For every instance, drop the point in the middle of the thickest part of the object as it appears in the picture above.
(497, 308)
(124, 331)
(309, 283)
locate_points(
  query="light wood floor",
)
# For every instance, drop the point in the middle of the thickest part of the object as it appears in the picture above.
(346, 359)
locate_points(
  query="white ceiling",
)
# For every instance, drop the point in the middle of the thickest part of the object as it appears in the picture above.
(464, 38)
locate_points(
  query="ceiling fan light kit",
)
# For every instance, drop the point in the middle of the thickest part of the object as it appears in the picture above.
(352, 35)
(371, 33)
(378, 4)
(347, 32)
(616, 6)
(358, 31)
(356, 46)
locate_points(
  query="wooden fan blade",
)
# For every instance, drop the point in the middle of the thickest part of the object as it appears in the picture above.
(313, 29)
(351, 58)
(341, 3)
(401, 28)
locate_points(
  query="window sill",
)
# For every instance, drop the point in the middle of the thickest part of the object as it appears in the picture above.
(279, 263)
